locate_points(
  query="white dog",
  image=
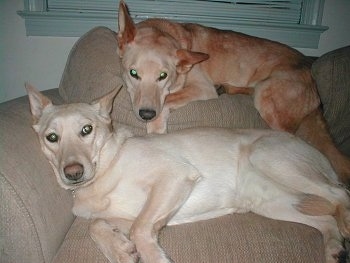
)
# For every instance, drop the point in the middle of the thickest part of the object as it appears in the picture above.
(134, 186)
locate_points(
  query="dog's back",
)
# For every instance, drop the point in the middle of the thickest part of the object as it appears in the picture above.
(234, 58)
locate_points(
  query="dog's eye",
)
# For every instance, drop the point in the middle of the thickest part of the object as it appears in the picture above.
(133, 73)
(52, 137)
(87, 129)
(162, 76)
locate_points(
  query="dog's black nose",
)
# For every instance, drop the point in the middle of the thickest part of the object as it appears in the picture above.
(74, 171)
(147, 114)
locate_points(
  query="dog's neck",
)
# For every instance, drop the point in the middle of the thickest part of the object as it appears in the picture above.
(111, 148)
(108, 154)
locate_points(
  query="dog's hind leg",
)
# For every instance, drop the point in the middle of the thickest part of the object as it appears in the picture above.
(282, 208)
(283, 101)
(313, 129)
(292, 105)
(297, 171)
(112, 240)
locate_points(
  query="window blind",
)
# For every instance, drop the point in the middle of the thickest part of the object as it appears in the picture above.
(294, 22)
(267, 11)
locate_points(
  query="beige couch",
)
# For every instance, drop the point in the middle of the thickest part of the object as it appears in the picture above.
(36, 220)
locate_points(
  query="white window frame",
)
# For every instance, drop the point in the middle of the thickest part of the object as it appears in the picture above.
(40, 22)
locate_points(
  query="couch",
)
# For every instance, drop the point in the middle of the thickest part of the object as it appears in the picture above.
(35, 213)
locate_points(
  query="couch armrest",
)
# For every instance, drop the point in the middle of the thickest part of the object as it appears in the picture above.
(35, 213)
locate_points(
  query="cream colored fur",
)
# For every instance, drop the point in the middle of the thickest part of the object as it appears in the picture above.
(132, 187)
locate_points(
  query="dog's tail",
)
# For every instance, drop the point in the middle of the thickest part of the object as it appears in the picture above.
(315, 205)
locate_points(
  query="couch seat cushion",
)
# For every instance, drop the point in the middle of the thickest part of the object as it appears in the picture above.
(232, 238)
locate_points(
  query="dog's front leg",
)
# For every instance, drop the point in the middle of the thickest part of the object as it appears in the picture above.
(177, 100)
(159, 125)
(164, 200)
(197, 87)
(111, 238)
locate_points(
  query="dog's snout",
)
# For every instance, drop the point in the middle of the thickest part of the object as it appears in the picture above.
(147, 114)
(74, 171)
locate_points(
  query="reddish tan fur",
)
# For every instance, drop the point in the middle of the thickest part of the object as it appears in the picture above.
(277, 76)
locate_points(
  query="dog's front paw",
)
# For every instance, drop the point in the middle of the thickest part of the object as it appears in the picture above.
(125, 249)
(113, 243)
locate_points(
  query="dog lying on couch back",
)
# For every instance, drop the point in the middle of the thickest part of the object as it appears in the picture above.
(166, 65)
(134, 186)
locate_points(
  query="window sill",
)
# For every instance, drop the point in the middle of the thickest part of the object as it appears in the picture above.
(69, 24)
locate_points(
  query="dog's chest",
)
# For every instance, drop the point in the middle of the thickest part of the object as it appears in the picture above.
(116, 204)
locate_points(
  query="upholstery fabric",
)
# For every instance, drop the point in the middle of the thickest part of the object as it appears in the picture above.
(331, 72)
(35, 212)
(234, 238)
(91, 69)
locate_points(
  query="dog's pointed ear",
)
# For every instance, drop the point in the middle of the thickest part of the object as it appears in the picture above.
(127, 29)
(38, 102)
(105, 104)
(187, 59)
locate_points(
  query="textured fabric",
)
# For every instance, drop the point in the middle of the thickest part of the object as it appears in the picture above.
(93, 69)
(235, 238)
(35, 213)
(332, 73)
(243, 238)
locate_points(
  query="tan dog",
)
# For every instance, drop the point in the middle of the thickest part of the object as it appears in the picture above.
(134, 186)
(166, 65)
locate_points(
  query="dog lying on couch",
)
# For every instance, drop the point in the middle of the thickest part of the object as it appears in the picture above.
(166, 65)
(136, 185)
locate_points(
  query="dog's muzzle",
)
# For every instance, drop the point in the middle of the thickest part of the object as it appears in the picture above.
(147, 114)
(74, 172)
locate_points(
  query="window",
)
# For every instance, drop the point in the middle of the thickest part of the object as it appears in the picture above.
(293, 22)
